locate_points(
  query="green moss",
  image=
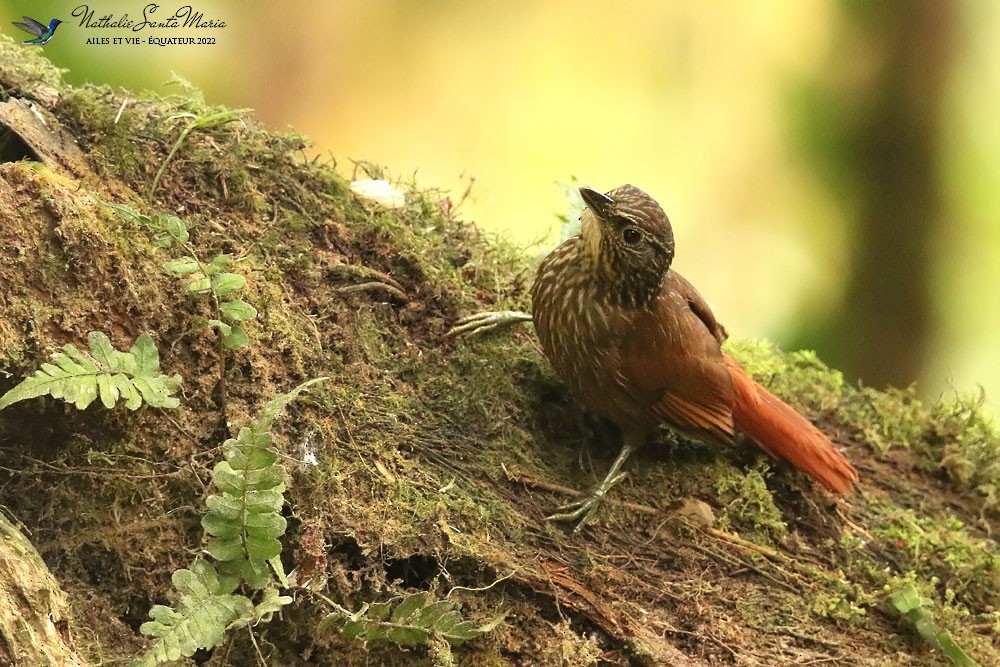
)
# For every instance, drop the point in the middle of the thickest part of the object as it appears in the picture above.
(945, 550)
(26, 69)
(956, 435)
(110, 140)
(842, 600)
(964, 440)
(884, 419)
(746, 502)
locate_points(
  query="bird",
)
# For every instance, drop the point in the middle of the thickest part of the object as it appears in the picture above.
(41, 33)
(639, 346)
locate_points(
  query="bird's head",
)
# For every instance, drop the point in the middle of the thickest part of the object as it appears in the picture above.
(629, 239)
(53, 23)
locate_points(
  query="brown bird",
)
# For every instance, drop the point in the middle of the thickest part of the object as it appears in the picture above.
(639, 345)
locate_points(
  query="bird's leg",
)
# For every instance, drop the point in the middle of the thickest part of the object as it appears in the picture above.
(582, 510)
(478, 323)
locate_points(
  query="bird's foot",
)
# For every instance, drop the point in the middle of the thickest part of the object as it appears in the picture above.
(478, 323)
(582, 510)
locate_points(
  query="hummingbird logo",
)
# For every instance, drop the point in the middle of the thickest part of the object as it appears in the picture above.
(41, 33)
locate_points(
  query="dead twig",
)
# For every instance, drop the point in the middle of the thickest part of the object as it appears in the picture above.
(360, 272)
(395, 293)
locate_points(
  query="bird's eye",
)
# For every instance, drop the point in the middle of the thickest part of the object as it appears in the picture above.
(631, 235)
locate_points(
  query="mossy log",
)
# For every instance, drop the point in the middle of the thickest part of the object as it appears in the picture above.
(427, 463)
(33, 610)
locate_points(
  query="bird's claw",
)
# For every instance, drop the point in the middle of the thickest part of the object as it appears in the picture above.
(582, 510)
(478, 323)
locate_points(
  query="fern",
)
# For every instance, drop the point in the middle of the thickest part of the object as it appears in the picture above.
(913, 607)
(205, 608)
(416, 621)
(222, 287)
(270, 604)
(244, 520)
(243, 524)
(80, 377)
(209, 278)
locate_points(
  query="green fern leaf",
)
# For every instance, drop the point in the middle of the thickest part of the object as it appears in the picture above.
(236, 338)
(183, 266)
(167, 229)
(244, 521)
(199, 285)
(436, 615)
(414, 622)
(173, 229)
(233, 335)
(274, 407)
(270, 605)
(80, 378)
(219, 263)
(409, 606)
(227, 283)
(237, 310)
(914, 608)
(206, 607)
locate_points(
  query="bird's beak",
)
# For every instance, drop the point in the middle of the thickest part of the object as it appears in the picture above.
(597, 202)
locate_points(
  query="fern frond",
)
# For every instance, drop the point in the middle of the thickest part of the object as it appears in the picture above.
(414, 622)
(244, 523)
(914, 609)
(233, 335)
(80, 377)
(273, 408)
(167, 229)
(206, 607)
(237, 310)
(269, 605)
(244, 520)
(222, 286)
(206, 278)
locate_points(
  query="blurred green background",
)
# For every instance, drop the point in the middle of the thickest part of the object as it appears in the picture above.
(830, 166)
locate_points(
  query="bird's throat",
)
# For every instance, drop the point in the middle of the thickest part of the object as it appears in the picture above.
(618, 280)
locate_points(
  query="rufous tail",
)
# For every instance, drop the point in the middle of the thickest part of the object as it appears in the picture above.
(785, 434)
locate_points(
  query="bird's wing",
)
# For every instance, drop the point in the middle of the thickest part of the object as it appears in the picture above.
(32, 26)
(27, 28)
(672, 363)
(36, 26)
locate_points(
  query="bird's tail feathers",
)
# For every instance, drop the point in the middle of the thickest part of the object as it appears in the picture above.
(785, 434)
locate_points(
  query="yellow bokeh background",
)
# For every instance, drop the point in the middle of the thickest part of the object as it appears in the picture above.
(695, 102)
